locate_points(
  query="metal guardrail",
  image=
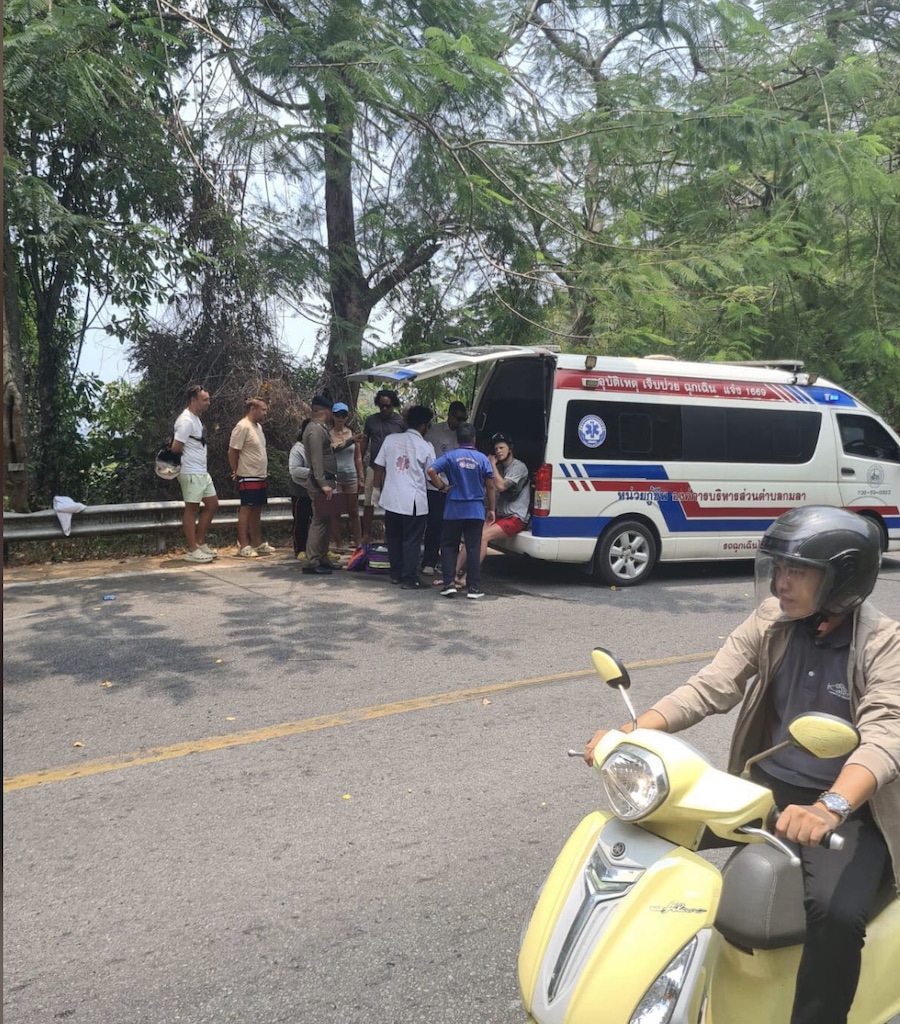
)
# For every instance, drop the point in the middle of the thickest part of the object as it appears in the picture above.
(159, 517)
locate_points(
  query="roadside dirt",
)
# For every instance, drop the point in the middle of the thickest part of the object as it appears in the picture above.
(37, 572)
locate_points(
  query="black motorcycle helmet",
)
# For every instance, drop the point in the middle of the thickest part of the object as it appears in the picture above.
(845, 546)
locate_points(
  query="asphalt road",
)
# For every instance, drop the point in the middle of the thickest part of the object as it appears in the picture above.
(238, 794)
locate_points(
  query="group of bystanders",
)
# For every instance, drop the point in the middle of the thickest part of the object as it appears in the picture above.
(443, 500)
(249, 469)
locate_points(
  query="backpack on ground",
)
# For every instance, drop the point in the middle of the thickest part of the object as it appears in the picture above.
(359, 560)
(379, 562)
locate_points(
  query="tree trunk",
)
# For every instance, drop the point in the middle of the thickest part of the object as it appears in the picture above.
(351, 301)
(15, 434)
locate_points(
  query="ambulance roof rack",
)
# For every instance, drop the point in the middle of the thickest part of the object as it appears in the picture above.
(791, 365)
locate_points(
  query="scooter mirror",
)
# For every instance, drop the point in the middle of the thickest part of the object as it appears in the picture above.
(610, 669)
(823, 735)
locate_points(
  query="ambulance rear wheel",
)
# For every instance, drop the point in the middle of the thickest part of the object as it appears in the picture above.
(626, 553)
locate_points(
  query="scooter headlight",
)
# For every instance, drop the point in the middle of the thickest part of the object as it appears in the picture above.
(635, 781)
(659, 1003)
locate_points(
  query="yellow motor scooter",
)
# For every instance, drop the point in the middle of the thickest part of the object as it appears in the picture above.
(632, 926)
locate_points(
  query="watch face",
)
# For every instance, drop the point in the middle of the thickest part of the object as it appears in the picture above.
(836, 803)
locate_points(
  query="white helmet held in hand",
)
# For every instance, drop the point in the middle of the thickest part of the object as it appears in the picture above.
(168, 464)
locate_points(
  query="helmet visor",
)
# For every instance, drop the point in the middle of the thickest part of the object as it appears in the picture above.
(798, 586)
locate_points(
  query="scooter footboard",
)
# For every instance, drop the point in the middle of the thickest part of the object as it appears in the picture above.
(618, 907)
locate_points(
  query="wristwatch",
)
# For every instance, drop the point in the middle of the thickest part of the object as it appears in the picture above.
(835, 803)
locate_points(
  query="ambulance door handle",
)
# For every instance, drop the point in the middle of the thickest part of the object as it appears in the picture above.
(847, 472)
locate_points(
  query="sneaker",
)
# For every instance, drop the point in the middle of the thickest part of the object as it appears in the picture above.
(410, 585)
(300, 556)
(316, 570)
(248, 552)
(265, 549)
(427, 570)
(207, 550)
(449, 591)
(475, 594)
(197, 555)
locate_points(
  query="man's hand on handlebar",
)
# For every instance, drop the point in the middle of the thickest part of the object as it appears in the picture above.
(648, 720)
(806, 825)
(589, 746)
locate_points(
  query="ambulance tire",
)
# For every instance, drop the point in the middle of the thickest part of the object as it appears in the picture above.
(626, 553)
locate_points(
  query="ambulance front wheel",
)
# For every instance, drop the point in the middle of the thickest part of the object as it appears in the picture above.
(626, 553)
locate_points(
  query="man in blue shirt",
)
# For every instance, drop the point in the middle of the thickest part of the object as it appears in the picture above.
(471, 479)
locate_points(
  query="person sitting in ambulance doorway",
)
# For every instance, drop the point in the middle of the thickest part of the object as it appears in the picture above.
(513, 490)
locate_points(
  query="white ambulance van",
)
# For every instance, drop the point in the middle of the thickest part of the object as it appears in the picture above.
(635, 461)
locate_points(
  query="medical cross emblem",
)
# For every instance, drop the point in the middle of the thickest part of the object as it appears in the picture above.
(592, 431)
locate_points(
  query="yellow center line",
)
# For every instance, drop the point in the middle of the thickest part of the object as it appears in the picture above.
(155, 755)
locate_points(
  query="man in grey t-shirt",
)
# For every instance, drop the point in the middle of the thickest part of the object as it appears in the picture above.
(511, 480)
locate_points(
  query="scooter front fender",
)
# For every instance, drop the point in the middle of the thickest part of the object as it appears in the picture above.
(590, 960)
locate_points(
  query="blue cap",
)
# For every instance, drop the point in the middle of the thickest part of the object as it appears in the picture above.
(340, 407)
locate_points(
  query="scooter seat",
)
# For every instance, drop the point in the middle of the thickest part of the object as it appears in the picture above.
(762, 899)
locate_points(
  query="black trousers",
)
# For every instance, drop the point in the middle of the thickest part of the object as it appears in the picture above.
(469, 531)
(301, 510)
(403, 536)
(436, 502)
(840, 888)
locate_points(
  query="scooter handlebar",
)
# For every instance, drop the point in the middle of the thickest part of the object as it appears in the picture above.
(832, 841)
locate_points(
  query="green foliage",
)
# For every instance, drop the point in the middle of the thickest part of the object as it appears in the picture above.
(92, 192)
(713, 179)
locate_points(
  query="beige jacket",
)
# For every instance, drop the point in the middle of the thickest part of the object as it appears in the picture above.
(743, 669)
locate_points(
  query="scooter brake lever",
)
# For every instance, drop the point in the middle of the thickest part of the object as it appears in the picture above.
(772, 841)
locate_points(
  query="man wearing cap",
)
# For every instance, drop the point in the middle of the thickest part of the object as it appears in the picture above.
(377, 427)
(441, 437)
(400, 468)
(197, 487)
(471, 480)
(320, 484)
(513, 498)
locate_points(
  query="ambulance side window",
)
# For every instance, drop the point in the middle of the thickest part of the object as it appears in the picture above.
(622, 431)
(867, 439)
(704, 434)
(776, 436)
(635, 434)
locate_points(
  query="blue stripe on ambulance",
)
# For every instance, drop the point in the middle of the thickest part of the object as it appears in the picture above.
(670, 509)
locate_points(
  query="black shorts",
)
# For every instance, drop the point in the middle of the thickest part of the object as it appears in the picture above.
(253, 490)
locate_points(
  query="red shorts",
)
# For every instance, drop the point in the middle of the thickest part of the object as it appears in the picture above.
(511, 525)
(253, 491)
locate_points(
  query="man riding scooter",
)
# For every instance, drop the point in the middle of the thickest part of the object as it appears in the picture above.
(817, 645)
